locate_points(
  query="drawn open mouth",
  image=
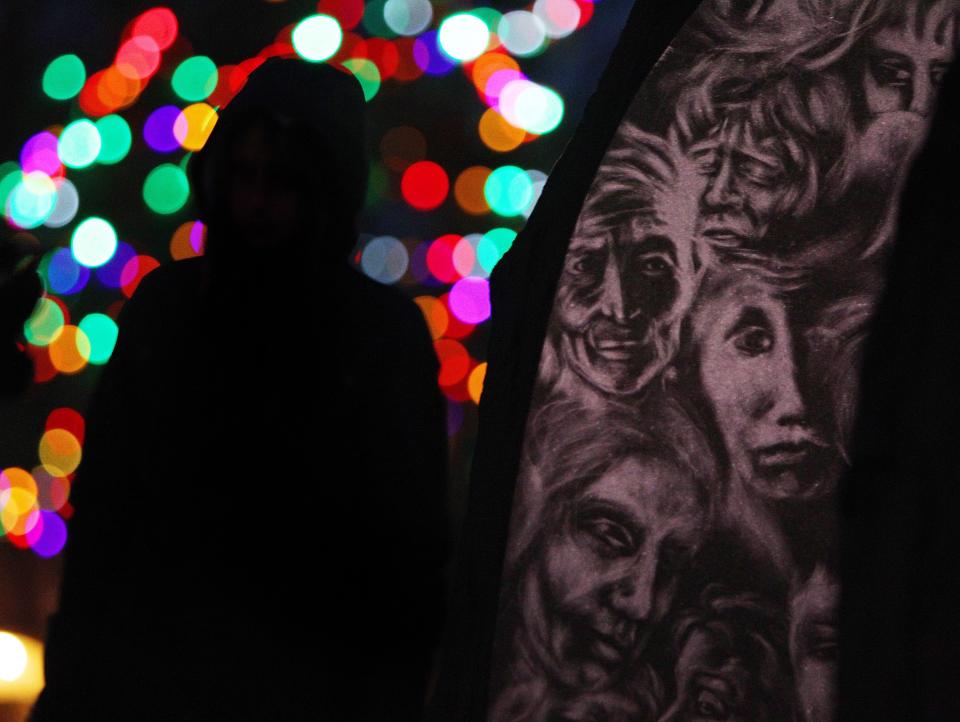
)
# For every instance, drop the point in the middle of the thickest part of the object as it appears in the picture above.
(778, 457)
(726, 232)
(614, 648)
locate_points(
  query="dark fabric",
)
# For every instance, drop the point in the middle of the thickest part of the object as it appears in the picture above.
(521, 309)
(900, 631)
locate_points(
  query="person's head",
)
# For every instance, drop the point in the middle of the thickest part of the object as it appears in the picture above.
(730, 661)
(284, 171)
(750, 364)
(768, 139)
(631, 269)
(907, 54)
(622, 511)
(814, 651)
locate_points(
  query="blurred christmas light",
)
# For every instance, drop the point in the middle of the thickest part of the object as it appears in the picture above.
(425, 185)
(115, 139)
(66, 206)
(93, 242)
(408, 17)
(166, 189)
(317, 38)
(195, 78)
(64, 77)
(79, 144)
(463, 36)
(522, 33)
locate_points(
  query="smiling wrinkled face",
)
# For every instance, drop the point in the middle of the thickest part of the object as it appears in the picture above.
(906, 63)
(609, 572)
(750, 374)
(747, 181)
(619, 288)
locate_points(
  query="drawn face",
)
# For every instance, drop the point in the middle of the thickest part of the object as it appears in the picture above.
(906, 63)
(747, 181)
(609, 572)
(814, 646)
(713, 683)
(617, 289)
(749, 371)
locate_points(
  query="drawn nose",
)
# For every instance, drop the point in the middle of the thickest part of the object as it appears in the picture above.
(923, 94)
(720, 189)
(612, 303)
(633, 596)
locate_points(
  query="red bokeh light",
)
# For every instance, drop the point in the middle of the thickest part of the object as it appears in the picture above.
(425, 185)
(348, 12)
(69, 419)
(158, 23)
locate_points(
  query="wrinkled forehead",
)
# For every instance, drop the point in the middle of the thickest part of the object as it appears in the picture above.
(745, 135)
(645, 230)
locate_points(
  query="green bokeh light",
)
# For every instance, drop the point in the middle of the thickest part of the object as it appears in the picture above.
(317, 38)
(195, 78)
(115, 139)
(94, 242)
(64, 77)
(32, 200)
(79, 144)
(508, 190)
(45, 323)
(101, 330)
(367, 72)
(166, 189)
(493, 245)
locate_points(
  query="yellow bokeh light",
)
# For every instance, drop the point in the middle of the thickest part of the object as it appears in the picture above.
(70, 352)
(468, 190)
(475, 382)
(436, 315)
(60, 452)
(21, 668)
(499, 135)
(194, 125)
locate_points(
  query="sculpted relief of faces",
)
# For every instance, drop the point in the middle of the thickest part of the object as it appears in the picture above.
(610, 568)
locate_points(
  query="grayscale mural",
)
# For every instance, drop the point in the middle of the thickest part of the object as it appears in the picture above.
(673, 544)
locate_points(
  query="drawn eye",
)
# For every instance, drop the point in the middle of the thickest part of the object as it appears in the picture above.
(754, 341)
(709, 706)
(758, 173)
(707, 161)
(891, 72)
(654, 265)
(614, 539)
(589, 264)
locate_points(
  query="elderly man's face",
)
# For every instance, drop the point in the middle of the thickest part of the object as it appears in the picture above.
(609, 572)
(618, 287)
(906, 63)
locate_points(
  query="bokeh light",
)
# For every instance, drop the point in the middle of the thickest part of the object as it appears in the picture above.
(435, 314)
(159, 129)
(367, 73)
(40, 152)
(66, 206)
(385, 259)
(401, 147)
(508, 190)
(193, 126)
(32, 200)
(59, 452)
(530, 106)
(475, 382)
(79, 144)
(498, 134)
(45, 323)
(470, 300)
(115, 139)
(522, 33)
(101, 331)
(348, 13)
(166, 189)
(93, 242)
(70, 351)
(63, 274)
(408, 17)
(468, 190)
(138, 57)
(317, 38)
(159, 23)
(425, 185)
(195, 78)
(64, 77)
(463, 36)
(188, 240)
(559, 17)
(492, 247)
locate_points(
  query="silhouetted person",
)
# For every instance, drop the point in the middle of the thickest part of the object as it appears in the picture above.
(259, 529)
(20, 288)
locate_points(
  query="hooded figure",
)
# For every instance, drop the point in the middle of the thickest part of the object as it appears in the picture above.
(259, 529)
